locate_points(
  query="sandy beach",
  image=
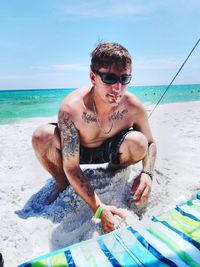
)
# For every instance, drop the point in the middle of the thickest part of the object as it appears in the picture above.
(31, 227)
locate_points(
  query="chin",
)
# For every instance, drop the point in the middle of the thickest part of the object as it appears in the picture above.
(114, 103)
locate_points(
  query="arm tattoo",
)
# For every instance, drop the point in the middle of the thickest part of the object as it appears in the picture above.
(84, 183)
(69, 135)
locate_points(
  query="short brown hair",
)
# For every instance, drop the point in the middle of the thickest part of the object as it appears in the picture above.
(107, 54)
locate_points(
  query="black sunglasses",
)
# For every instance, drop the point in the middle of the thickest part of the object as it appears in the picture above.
(111, 78)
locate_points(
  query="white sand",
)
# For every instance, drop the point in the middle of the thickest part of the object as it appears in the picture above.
(24, 184)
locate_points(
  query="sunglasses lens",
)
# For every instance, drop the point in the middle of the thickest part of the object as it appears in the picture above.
(125, 79)
(109, 78)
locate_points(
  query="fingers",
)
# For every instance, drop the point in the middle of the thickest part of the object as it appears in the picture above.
(135, 185)
(108, 219)
(143, 196)
(143, 190)
(119, 212)
(107, 228)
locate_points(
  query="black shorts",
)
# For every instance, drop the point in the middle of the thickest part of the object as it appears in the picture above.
(107, 152)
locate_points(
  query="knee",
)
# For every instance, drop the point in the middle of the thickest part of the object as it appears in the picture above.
(41, 138)
(141, 143)
(137, 146)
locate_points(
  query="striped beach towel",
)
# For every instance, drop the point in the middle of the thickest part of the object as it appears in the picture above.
(170, 239)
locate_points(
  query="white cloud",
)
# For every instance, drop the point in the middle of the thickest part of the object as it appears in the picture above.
(120, 8)
(157, 63)
(40, 67)
(62, 67)
(108, 8)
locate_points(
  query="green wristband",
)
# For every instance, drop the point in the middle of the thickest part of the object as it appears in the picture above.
(99, 211)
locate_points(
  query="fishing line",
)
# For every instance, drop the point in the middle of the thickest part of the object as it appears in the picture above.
(174, 78)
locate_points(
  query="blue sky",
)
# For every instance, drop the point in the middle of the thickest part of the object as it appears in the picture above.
(47, 43)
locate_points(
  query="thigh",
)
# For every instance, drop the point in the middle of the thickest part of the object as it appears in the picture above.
(132, 148)
(56, 138)
(46, 135)
(117, 141)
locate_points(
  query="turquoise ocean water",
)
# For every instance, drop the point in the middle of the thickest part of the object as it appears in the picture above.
(19, 104)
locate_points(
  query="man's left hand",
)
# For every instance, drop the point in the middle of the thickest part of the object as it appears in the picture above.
(141, 188)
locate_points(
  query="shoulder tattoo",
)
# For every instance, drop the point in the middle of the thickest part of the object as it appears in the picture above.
(69, 136)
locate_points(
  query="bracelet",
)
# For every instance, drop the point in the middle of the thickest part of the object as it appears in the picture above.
(99, 211)
(148, 173)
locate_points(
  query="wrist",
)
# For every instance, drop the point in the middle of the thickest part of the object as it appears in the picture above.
(148, 173)
(99, 210)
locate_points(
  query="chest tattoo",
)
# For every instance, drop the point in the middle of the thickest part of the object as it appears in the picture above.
(118, 115)
(88, 117)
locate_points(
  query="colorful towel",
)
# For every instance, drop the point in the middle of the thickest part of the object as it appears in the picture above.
(170, 239)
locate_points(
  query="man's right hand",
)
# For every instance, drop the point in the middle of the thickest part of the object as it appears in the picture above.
(107, 217)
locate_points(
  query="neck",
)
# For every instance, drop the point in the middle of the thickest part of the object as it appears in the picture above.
(102, 107)
(97, 117)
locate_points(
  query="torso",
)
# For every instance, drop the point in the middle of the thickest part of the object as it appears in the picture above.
(85, 121)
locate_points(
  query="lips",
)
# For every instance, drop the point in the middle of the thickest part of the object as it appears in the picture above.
(114, 96)
(114, 99)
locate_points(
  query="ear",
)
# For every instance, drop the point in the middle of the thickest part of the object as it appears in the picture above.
(92, 77)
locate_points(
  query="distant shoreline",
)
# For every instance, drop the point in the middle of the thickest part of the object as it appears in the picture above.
(73, 88)
(36, 89)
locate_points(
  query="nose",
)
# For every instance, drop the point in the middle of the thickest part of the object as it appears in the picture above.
(116, 88)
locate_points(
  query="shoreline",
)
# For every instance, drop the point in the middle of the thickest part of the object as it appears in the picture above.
(136, 85)
(25, 184)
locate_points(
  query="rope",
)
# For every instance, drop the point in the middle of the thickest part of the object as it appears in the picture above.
(174, 78)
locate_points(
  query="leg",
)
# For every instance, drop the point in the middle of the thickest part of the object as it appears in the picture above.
(46, 143)
(133, 148)
(129, 149)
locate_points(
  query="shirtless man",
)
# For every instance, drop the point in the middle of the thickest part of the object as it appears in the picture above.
(97, 124)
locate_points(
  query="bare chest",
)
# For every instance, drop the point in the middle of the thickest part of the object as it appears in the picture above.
(94, 130)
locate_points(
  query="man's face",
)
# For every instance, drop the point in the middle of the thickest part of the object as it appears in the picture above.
(110, 94)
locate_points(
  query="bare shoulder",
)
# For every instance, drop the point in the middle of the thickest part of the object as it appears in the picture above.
(134, 104)
(74, 102)
(140, 116)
